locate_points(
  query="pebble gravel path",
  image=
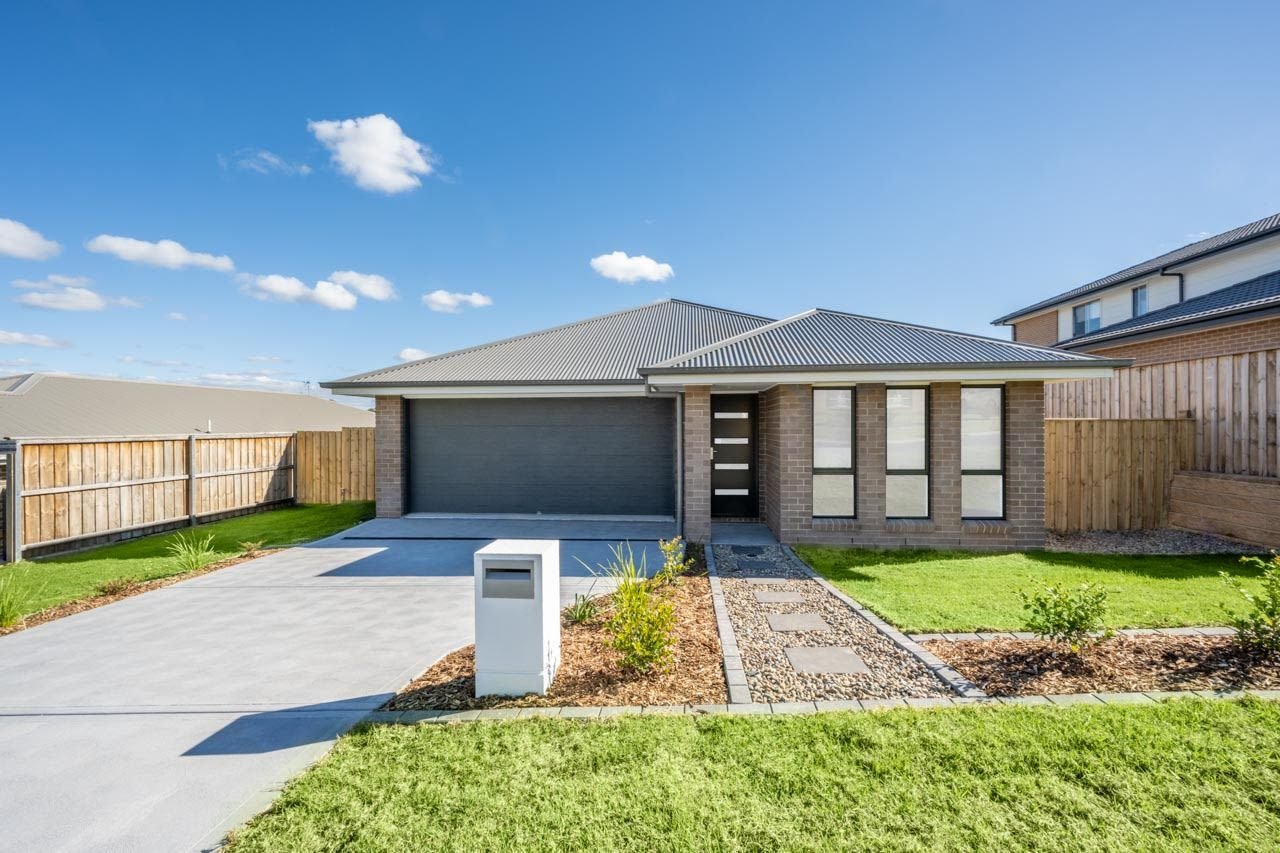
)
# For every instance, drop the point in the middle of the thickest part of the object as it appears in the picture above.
(751, 573)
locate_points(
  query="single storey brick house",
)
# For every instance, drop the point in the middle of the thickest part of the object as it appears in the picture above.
(830, 427)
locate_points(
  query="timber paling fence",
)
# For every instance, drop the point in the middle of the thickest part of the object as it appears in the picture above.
(70, 493)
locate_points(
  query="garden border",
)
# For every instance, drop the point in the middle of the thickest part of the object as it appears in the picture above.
(965, 637)
(735, 675)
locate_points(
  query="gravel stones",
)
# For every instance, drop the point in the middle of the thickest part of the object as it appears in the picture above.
(1163, 541)
(888, 672)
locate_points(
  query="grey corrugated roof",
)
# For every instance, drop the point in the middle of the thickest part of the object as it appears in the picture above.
(605, 349)
(1244, 233)
(51, 405)
(1256, 294)
(823, 339)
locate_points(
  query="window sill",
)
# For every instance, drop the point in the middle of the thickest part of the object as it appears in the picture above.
(910, 525)
(985, 526)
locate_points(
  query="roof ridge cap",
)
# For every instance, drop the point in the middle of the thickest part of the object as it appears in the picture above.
(949, 332)
(732, 339)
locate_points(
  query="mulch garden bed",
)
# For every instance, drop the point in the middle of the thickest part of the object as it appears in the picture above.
(589, 673)
(79, 605)
(1117, 665)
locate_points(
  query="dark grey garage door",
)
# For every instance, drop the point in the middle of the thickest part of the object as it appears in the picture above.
(572, 456)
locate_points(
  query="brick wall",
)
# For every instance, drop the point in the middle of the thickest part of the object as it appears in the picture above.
(390, 422)
(1224, 340)
(786, 473)
(697, 463)
(1041, 330)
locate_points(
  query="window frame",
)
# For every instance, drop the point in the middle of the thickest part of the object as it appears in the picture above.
(928, 453)
(1076, 331)
(852, 470)
(1004, 434)
(1145, 295)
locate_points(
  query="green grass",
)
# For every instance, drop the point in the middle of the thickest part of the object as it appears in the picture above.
(923, 591)
(54, 580)
(1184, 775)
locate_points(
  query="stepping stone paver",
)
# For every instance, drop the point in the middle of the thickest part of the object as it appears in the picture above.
(797, 622)
(764, 596)
(769, 581)
(825, 660)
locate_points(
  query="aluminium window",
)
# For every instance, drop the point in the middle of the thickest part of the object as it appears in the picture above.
(1139, 300)
(834, 483)
(982, 452)
(906, 481)
(1086, 318)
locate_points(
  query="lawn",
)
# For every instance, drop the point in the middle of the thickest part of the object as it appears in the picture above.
(922, 591)
(53, 580)
(1182, 775)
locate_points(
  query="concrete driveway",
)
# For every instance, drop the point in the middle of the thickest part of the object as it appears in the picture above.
(162, 721)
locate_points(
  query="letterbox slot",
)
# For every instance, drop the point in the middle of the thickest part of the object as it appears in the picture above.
(508, 579)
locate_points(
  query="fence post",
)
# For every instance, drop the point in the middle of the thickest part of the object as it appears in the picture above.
(13, 506)
(191, 480)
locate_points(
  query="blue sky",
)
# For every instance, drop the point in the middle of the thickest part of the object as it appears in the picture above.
(938, 162)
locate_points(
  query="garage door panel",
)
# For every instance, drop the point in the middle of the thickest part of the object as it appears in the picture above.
(580, 456)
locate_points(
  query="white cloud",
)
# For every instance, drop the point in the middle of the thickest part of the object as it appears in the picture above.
(153, 362)
(267, 359)
(620, 266)
(249, 380)
(286, 288)
(50, 282)
(176, 316)
(164, 253)
(25, 339)
(19, 241)
(65, 299)
(375, 152)
(365, 284)
(452, 303)
(333, 296)
(265, 162)
(413, 354)
(16, 362)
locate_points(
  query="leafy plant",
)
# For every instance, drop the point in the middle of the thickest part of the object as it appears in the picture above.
(13, 601)
(192, 552)
(583, 609)
(251, 549)
(114, 586)
(675, 560)
(1071, 616)
(1259, 627)
(640, 625)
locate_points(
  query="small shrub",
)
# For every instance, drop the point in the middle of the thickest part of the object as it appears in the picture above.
(1070, 616)
(115, 586)
(583, 609)
(251, 549)
(1259, 627)
(675, 561)
(641, 624)
(191, 552)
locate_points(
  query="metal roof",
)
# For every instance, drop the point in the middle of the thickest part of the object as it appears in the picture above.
(605, 349)
(42, 405)
(1256, 294)
(828, 339)
(1227, 239)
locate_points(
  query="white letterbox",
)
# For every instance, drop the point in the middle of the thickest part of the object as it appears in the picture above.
(517, 616)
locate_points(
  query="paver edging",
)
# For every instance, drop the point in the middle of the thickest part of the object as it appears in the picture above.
(953, 679)
(987, 636)
(735, 675)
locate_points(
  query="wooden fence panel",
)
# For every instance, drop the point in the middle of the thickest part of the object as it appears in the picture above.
(97, 489)
(335, 466)
(1233, 505)
(1109, 474)
(1233, 400)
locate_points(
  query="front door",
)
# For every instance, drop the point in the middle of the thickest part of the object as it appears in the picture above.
(733, 456)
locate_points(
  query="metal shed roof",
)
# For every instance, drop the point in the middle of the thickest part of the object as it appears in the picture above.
(605, 349)
(1258, 294)
(1245, 233)
(40, 405)
(825, 339)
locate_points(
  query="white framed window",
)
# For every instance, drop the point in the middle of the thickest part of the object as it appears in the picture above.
(834, 481)
(906, 481)
(1139, 294)
(1086, 318)
(982, 452)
